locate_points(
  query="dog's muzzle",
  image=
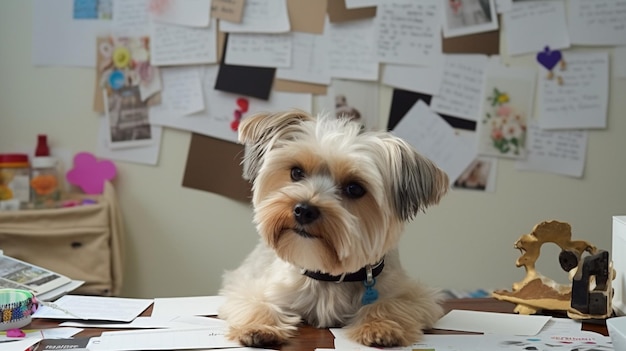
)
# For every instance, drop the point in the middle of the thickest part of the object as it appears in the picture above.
(305, 213)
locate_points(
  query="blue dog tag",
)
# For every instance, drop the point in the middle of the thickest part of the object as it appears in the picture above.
(370, 295)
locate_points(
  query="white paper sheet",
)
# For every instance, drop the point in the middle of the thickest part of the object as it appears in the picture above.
(153, 322)
(148, 155)
(408, 32)
(196, 13)
(180, 45)
(59, 40)
(353, 4)
(532, 25)
(183, 89)
(216, 120)
(555, 151)
(260, 16)
(310, 62)
(434, 138)
(421, 79)
(130, 18)
(492, 322)
(461, 90)
(581, 100)
(598, 22)
(259, 50)
(95, 307)
(352, 50)
(187, 306)
(468, 17)
(162, 339)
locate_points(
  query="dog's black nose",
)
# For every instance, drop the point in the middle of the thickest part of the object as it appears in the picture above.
(305, 213)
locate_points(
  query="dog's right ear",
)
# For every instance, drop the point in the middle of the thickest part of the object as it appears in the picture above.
(259, 132)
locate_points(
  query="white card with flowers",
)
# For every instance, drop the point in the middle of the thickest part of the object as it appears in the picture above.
(506, 111)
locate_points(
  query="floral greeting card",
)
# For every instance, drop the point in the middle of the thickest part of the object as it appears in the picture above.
(506, 111)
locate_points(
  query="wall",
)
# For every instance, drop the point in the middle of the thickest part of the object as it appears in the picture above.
(179, 241)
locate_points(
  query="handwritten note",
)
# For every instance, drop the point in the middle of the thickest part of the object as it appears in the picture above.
(182, 12)
(598, 22)
(461, 91)
(580, 101)
(421, 79)
(408, 32)
(130, 18)
(559, 152)
(310, 59)
(260, 16)
(181, 45)
(260, 50)
(434, 138)
(227, 10)
(182, 94)
(352, 51)
(531, 25)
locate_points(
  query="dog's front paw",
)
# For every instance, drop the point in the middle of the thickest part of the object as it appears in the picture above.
(381, 333)
(261, 335)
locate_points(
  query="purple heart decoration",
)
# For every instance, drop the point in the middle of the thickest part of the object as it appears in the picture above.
(549, 58)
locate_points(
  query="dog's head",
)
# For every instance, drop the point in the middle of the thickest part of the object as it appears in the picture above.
(329, 197)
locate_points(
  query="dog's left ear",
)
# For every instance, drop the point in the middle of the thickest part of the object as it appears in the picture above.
(418, 182)
(259, 132)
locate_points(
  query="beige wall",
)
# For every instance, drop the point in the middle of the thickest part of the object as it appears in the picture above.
(179, 241)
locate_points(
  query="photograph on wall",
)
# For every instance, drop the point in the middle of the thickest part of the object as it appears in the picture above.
(127, 116)
(505, 112)
(358, 100)
(463, 17)
(479, 175)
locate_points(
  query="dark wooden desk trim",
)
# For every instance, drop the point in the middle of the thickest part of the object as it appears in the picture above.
(311, 338)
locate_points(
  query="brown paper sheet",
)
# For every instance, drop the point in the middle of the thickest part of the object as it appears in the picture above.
(307, 16)
(213, 165)
(338, 12)
(299, 87)
(487, 43)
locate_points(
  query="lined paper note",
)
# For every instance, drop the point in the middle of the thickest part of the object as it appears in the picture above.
(532, 25)
(408, 32)
(559, 152)
(598, 22)
(309, 59)
(260, 16)
(259, 50)
(581, 99)
(352, 51)
(181, 45)
(194, 13)
(182, 94)
(461, 90)
(434, 138)
(130, 18)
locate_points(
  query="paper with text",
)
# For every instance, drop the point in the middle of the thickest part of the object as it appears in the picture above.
(598, 22)
(227, 10)
(309, 62)
(532, 25)
(555, 151)
(408, 32)
(461, 90)
(434, 138)
(577, 97)
(352, 50)
(130, 18)
(183, 89)
(259, 50)
(421, 79)
(196, 13)
(95, 307)
(181, 45)
(261, 16)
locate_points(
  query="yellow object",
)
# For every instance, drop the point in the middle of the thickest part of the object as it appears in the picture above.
(121, 57)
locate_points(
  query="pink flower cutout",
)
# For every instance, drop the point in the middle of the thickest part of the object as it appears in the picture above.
(89, 174)
(504, 110)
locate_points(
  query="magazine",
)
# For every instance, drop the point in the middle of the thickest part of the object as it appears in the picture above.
(45, 284)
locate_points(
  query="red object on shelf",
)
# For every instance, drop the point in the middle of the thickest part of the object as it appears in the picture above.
(42, 146)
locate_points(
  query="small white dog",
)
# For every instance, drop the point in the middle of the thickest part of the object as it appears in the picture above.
(330, 203)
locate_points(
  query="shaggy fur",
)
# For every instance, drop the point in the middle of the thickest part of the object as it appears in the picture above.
(363, 187)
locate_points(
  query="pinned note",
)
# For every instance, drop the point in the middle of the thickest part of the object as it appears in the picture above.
(227, 10)
(130, 18)
(181, 45)
(310, 59)
(183, 90)
(261, 16)
(352, 52)
(194, 13)
(598, 22)
(259, 50)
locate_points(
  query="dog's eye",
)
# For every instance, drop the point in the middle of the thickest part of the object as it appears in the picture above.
(297, 174)
(354, 190)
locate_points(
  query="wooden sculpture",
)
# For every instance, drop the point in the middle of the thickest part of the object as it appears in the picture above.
(589, 295)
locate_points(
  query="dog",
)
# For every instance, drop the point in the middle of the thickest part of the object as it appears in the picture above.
(330, 202)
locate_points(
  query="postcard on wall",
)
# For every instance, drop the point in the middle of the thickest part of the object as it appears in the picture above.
(506, 111)
(462, 17)
(356, 99)
(574, 94)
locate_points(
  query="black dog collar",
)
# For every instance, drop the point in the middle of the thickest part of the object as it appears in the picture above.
(360, 275)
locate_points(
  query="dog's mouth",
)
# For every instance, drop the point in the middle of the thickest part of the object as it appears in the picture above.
(303, 233)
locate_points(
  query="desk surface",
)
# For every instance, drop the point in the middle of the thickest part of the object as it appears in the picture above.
(310, 338)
